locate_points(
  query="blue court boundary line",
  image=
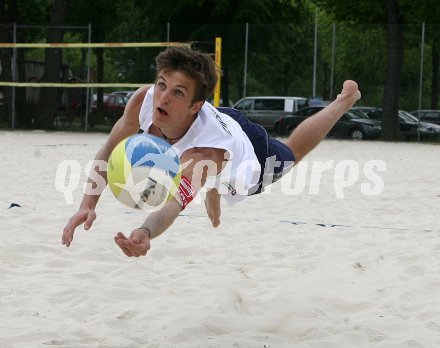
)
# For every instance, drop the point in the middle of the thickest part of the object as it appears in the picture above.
(327, 225)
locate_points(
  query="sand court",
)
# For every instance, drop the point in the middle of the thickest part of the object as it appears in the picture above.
(309, 269)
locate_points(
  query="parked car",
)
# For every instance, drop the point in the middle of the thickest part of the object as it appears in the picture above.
(431, 116)
(95, 98)
(126, 93)
(286, 124)
(267, 110)
(354, 124)
(426, 130)
(114, 105)
(408, 126)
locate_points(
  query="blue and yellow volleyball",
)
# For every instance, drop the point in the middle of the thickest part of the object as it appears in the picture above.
(143, 171)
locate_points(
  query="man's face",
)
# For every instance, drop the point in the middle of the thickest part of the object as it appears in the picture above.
(173, 108)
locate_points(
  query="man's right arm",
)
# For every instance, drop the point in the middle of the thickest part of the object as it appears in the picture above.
(123, 128)
(127, 125)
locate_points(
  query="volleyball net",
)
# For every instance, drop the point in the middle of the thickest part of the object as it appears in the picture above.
(89, 84)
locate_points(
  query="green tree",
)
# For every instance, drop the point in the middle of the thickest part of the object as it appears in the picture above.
(49, 97)
(401, 18)
(430, 15)
(276, 37)
(103, 16)
(30, 12)
(374, 12)
(8, 15)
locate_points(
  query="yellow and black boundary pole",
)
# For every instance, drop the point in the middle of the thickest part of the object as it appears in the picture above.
(218, 63)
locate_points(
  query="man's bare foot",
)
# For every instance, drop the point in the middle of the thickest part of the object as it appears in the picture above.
(212, 204)
(350, 91)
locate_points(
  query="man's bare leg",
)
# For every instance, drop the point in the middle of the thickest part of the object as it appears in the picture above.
(311, 131)
(212, 204)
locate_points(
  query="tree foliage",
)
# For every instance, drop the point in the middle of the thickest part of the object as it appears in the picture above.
(31, 12)
(49, 99)
(396, 15)
(280, 44)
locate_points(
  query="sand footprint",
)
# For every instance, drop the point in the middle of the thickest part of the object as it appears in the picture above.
(127, 315)
(54, 342)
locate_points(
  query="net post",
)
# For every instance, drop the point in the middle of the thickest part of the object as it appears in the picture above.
(88, 100)
(218, 63)
(14, 73)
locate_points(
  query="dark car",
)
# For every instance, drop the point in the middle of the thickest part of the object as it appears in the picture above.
(286, 124)
(354, 124)
(431, 116)
(426, 130)
(408, 126)
(114, 105)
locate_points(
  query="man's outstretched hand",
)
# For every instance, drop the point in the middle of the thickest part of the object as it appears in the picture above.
(83, 216)
(136, 245)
